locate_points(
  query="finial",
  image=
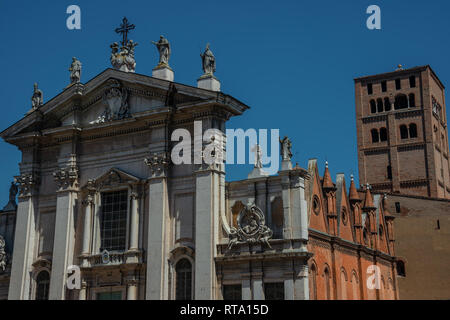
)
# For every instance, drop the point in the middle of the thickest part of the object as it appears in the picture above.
(326, 164)
(368, 186)
(399, 67)
(351, 177)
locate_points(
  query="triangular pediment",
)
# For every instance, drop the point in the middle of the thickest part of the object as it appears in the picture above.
(111, 96)
(111, 179)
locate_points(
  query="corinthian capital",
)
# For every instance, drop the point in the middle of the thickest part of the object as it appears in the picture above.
(26, 183)
(157, 163)
(66, 177)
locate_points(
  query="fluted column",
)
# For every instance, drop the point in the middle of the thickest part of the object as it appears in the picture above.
(134, 233)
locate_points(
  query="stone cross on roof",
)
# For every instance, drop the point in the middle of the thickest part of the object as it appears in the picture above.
(124, 29)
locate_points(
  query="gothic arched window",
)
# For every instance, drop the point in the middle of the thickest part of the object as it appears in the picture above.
(327, 279)
(183, 282)
(412, 100)
(373, 106)
(403, 132)
(383, 134)
(387, 104)
(413, 130)
(313, 282)
(379, 105)
(375, 137)
(401, 102)
(42, 285)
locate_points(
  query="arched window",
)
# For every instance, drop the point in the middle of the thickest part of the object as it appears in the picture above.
(355, 287)
(375, 137)
(387, 104)
(379, 105)
(42, 285)
(401, 268)
(404, 131)
(183, 280)
(401, 102)
(343, 284)
(412, 100)
(373, 106)
(383, 134)
(313, 282)
(413, 130)
(327, 278)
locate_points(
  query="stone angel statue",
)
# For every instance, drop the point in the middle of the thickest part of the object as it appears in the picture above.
(75, 70)
(208, 61)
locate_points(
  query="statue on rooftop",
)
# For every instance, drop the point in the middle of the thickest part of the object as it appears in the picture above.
(208, 61)
(286, 146)
(163, 47)
(75, 70)
(37, 99)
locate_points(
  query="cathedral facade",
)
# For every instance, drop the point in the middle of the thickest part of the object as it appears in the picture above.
(100, 198)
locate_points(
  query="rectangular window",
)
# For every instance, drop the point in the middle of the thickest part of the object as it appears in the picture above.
(116, 295)
(397, 207)
(398, 84)
(383, 86)
(412, 82)
(114, 220)
(232, 292)
(389, 172)
(369, 88)
(274, 291)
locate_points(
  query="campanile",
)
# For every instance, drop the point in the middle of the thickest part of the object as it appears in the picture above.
(402, 133)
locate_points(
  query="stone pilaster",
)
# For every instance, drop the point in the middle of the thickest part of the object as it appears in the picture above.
(207, 205)
(88, 204)
(25, 236)
(157, 265)
(63, 245)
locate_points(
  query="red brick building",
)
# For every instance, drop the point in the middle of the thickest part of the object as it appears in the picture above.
(349, 234)
(402, 132)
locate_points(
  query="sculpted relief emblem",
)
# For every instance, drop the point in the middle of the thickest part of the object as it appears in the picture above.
(115, 98)
(251, 228)
(2, 254)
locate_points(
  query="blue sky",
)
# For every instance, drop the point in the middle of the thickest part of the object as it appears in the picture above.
(293, 62)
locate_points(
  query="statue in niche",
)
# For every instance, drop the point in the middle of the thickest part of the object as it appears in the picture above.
(37, 99)
(163, 47)
(75, 70)
(208, 61)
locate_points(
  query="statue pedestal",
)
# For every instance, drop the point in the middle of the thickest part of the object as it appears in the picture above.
(208, 82)
(286, 165)
(257, 173)
(163, 72)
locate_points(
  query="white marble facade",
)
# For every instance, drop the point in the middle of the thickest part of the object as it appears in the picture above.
(112, 134)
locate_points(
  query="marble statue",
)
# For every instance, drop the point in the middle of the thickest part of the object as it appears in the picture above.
(258, 156)
(208, 61)
(163, 47)
(75, 70)
(286, 146)
(37, 99)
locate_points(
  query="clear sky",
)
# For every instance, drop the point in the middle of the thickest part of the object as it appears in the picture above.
(293, 62)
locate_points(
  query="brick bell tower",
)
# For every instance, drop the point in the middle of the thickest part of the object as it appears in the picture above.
(401, 125)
